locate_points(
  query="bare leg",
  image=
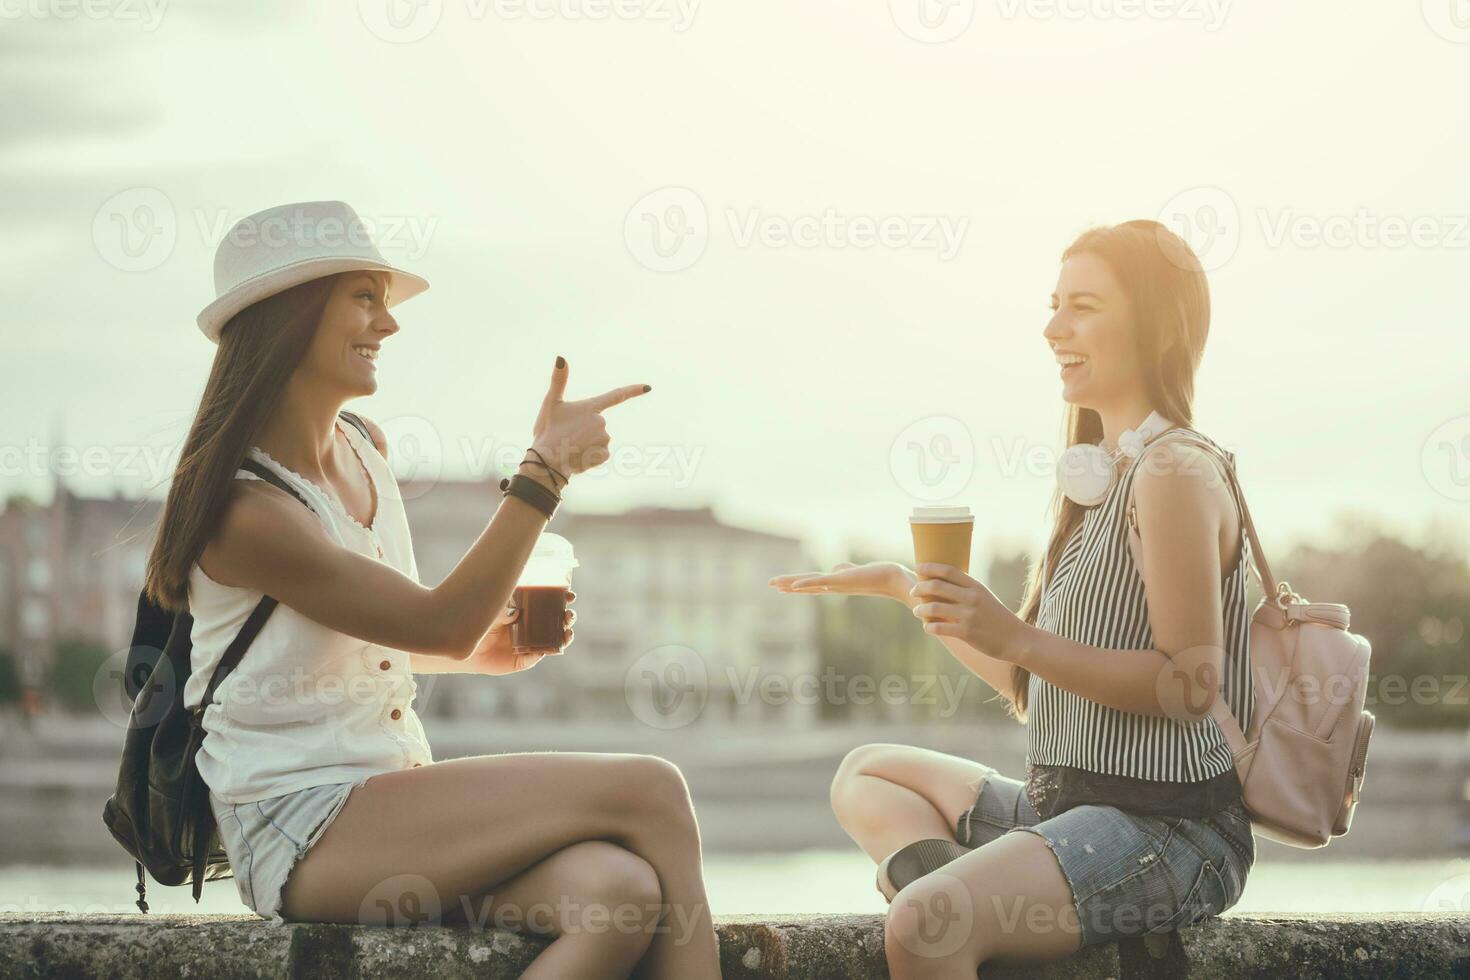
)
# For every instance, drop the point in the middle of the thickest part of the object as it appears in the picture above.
(888, 796)
(601, 902)
(447, 834)
(1006, 900)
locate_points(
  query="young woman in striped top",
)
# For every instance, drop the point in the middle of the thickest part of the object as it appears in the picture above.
(1129, 819)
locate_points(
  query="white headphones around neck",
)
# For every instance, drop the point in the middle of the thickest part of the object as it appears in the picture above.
(1086, 472)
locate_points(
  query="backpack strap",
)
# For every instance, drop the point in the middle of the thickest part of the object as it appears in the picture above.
(152, 622)
(142, 901)
(1258, 555)
(203, 828)
(256, 621)
(357, 423)
(236, 650)
(1219, 711)
(270, 476)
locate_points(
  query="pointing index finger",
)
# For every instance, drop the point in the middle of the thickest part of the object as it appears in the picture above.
(617, 396)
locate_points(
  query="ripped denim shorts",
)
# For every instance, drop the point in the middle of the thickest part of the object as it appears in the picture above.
(266, 838)
(1130, 874)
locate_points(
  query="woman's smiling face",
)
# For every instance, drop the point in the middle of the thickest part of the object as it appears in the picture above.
(1092, 333)
(356, 317)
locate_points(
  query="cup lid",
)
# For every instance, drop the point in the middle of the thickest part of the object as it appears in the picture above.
(553, 549)
(940, 515)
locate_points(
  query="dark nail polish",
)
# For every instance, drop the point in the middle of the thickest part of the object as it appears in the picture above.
(561, 362)
(648, 387)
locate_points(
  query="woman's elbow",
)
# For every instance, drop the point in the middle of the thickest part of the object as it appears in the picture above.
(438, 633)
(1196, 708)
(454, 644)
(1189, 685)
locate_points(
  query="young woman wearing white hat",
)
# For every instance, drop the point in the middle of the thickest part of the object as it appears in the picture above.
(1130, 818)
(328, 801)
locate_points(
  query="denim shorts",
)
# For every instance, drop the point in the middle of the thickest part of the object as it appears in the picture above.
(266, 838)
(1130, 874)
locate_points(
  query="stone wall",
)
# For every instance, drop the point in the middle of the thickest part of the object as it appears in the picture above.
(166, 947)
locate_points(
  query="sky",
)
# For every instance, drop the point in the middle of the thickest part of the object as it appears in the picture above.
(826, 233)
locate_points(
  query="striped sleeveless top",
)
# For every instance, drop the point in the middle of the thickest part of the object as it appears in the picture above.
(1095, 596)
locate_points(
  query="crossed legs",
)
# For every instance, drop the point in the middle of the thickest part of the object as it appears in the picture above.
(604, 847)
(1007, 899)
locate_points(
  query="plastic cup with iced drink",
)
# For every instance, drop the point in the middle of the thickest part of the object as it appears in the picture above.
(541, 596)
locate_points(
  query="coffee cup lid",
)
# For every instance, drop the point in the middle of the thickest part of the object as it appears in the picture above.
(553, 549)
(550, 563)
(940, 515)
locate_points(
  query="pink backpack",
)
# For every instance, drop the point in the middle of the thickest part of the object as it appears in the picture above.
(1301, 761)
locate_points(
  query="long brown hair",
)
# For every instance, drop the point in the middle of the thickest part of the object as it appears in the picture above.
(259, 349)
(1171, 319)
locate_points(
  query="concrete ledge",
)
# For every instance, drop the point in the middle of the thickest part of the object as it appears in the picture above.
(218, 947)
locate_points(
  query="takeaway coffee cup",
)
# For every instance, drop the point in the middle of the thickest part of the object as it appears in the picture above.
(942, 535)
(541, 596)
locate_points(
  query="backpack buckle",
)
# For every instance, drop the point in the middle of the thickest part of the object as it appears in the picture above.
(1285, 595)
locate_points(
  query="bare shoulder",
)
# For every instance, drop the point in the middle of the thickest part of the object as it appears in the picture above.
(255, 506)
(1176, 476)
(258, 525)
(379, 440)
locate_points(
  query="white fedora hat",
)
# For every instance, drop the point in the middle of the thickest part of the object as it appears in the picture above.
(275, 249)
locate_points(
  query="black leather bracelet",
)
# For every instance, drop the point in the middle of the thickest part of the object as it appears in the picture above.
(534, 493)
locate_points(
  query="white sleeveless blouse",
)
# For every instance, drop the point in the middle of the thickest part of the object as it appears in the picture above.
(307, 705)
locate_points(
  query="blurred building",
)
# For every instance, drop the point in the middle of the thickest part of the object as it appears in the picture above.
(655, 578)
(69, 572)
(648, 579)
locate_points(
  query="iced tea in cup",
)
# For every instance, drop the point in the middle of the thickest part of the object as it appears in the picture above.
(541, 596)
(942, 535)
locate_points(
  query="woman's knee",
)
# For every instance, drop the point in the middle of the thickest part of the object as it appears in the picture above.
(932, 922)
(612, 887)
(648, 785)
(846, 790)
(609, 873)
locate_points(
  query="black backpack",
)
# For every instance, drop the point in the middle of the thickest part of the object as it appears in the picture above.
(160, 810)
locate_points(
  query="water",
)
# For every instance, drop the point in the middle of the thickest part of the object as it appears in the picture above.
(818, 881)
(771, 842)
